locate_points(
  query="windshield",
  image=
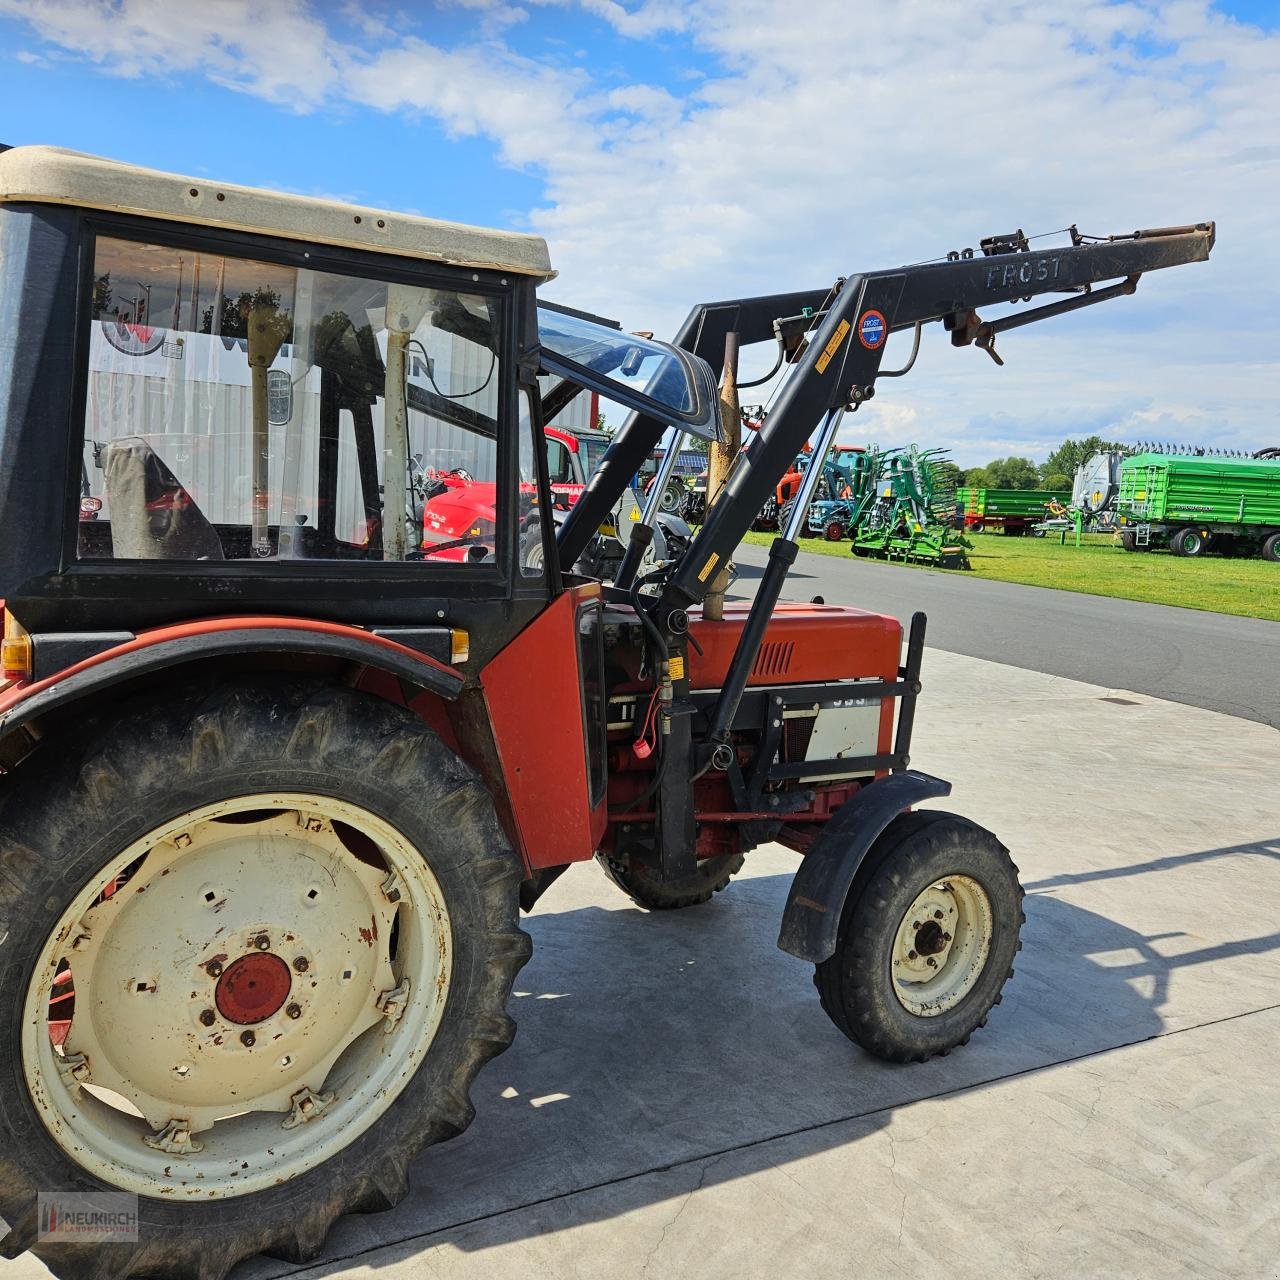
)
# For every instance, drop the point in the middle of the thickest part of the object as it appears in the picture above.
(636, 363)
(650, 377)
(593, 452)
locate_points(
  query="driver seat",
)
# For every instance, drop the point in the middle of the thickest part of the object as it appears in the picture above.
(153, 517)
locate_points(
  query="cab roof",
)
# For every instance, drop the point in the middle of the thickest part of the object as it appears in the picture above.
(52, 175)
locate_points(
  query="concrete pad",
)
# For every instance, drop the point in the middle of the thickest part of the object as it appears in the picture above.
(1155, 1160)
(1148, 834)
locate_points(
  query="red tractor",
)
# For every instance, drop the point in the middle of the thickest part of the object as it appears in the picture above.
(278, 778)
(452, 504)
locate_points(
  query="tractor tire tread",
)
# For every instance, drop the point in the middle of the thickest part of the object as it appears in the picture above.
(851, 983)
(711, 877)
(154, 754)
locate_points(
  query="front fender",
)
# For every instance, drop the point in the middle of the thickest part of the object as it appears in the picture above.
(170, 647)
(811, 918)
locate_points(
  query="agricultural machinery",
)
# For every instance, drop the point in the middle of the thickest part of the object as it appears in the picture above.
(835, 494)
(1011, 511)
(1091, 507)
(280, 773)
(1199, 501)
(904, 510)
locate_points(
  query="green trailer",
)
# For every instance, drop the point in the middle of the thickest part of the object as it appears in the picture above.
(1194, 503)
(1009, 510)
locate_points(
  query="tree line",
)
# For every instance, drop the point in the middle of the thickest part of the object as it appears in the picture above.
(1056, 472)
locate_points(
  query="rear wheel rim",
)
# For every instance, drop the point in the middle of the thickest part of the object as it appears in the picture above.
(942, 946)
(255, 983)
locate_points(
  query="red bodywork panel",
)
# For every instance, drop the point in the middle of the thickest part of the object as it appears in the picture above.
(804, 644)
(533, 691)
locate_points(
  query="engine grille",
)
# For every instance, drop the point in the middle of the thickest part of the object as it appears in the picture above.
(774, 658)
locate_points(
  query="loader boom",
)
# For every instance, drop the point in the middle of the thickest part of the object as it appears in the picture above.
(949, 291)
(842, 360)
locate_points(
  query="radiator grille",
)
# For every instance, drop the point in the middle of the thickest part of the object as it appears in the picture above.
(796, 735)
(774, 658)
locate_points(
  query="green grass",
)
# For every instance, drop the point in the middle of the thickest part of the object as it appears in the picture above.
(1249, 588)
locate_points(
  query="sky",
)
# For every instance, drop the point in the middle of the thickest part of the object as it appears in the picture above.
(674, 153)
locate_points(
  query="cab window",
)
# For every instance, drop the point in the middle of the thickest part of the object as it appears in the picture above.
(239, 409)
(559, 462)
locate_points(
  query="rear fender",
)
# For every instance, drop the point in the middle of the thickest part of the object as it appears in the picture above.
(168, 649)
(811, 918)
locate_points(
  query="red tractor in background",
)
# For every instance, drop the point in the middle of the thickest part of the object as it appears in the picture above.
(451, 504)
(279, 775)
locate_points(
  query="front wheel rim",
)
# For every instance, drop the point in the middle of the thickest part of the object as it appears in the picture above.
(942, 946)
(252, 985)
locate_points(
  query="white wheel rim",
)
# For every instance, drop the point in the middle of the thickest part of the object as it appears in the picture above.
(151, 1095)
(941, 946)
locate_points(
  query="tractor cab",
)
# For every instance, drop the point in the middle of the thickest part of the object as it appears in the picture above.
(279, 402)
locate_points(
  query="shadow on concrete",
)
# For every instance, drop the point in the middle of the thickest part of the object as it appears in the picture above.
(652, 1044)
(1260, 848)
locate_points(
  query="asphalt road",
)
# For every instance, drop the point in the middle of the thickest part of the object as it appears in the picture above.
(1209, 660)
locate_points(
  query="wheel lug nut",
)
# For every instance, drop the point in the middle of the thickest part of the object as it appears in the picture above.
(208, 1017)
(932, 963)
(248, 1039)
(262, 942)
(213, 969)
(946, 937)
(911, 955)
(301, 964)
(915, 924)
(294, 1011)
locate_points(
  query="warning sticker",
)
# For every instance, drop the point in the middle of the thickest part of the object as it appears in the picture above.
(842, 331)
(675, 668)
(872, 330)
(712, 561)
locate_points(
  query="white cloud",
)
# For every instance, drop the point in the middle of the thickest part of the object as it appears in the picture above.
(277, 49)
(836, 136)
(648, 19)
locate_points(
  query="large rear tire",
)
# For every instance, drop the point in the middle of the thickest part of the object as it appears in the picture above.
(1271, 547)
(299, 1003)
(646, 890)
(1189, 541)
(927, 938)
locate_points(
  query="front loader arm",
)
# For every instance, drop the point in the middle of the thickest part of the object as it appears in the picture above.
(703, 333)
(842, 360)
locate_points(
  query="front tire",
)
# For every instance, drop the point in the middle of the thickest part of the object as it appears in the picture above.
(646, 890)
(213, 803)
(927, 938)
